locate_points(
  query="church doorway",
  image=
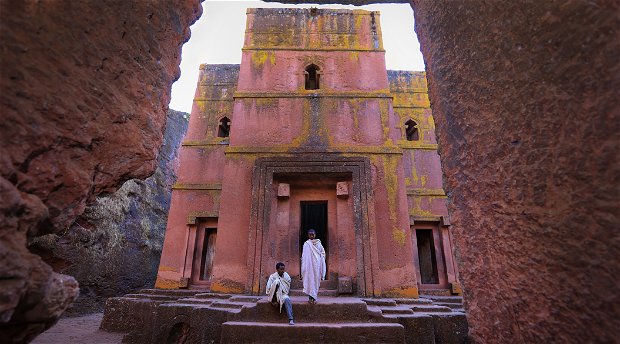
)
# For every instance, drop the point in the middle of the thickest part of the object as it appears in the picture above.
(313, 215)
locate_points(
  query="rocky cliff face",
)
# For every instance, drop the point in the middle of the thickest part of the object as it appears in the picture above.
(114, 247)
(84, 93)
(525, 98)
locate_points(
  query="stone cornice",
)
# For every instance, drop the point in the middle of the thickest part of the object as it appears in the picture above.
(315, 94)
(291, 48)
(417, 145)
(328, 150)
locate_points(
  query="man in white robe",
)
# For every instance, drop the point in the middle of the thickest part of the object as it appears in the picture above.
(313, 266)
(278, 286)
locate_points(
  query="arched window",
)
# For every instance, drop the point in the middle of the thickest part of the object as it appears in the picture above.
(312, 77)
(223, 129)
(411, 130)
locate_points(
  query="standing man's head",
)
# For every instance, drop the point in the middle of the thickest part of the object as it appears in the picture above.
(280, 268)
(311, 234)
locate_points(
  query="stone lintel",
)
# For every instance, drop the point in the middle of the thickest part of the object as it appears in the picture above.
(413, 219)
(193, 215)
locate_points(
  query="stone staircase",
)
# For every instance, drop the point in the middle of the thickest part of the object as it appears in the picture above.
(327, 288)
(335, 320)
(454, 302)
(191, 316)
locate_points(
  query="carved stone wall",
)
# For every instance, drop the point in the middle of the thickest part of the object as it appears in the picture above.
(525, 98)
(84, 92)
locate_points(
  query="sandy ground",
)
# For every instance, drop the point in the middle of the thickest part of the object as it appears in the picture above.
(84, 329)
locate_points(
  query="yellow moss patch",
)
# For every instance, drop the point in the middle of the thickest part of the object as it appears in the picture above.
(417, 208)
(354, 56)
(260, 57)
(227, 287)
(391, 183)
(406, 292)
(162, 283)
(167, 268)
(399, 236)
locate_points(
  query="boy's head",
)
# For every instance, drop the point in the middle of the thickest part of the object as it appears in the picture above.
(280, 268)
(311, 233)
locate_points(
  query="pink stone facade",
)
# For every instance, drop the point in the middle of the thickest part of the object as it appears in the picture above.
(310, 130)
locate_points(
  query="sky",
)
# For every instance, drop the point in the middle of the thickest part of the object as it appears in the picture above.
(217, 37)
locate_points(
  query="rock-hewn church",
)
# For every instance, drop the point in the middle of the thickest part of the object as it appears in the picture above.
(310, 131)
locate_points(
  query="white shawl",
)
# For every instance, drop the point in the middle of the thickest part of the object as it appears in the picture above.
(285, 285)
(313, 266)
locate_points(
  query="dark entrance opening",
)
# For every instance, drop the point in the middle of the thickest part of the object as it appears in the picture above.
(426, 256)
(314, 216)
(208, 253)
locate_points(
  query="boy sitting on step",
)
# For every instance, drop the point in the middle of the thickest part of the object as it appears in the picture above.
(278, 286)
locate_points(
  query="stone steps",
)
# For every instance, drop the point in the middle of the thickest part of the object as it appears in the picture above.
(380, 302)
(150, 317)
(153, 297)
(212, 296)
(449, 304)
(245, 299)
(396, 310)
(301, 332)
(170, 292)
(325, 311)
(431, 309)
(443, 298)
(322, 292)
(193, 300)
(419, 301)
(325, 284)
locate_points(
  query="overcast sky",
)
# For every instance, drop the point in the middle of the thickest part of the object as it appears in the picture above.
(217, 37)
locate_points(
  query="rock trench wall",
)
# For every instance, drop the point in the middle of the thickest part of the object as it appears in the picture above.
(114, 247)
(84, 91)
(525, 98)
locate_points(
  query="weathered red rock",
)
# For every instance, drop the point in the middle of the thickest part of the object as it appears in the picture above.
(114, 247)
(528, 115)
(84, 92)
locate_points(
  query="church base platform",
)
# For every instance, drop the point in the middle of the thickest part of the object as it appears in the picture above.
(194, 316)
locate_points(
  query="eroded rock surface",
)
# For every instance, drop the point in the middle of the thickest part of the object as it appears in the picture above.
(525, 97)
(114, 247)
(84, 92)
(343, 2)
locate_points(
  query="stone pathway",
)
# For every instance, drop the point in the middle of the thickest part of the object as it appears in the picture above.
(77, 330)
